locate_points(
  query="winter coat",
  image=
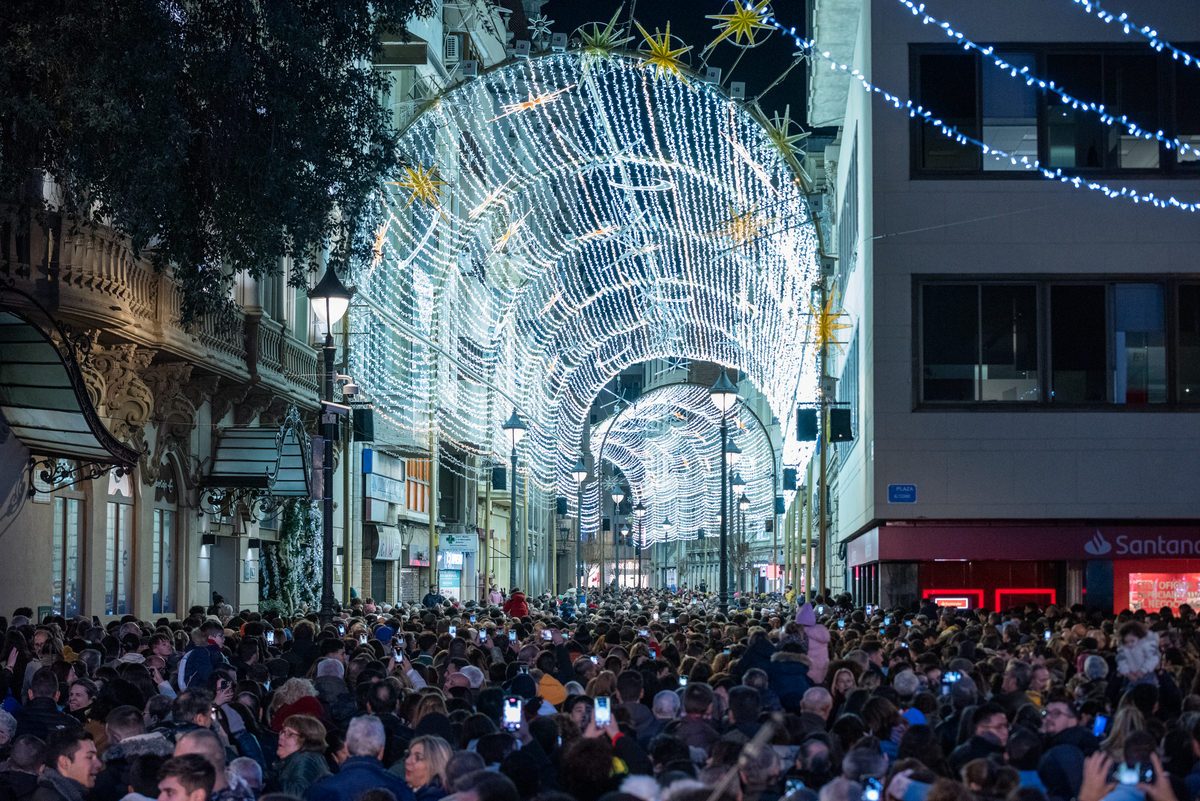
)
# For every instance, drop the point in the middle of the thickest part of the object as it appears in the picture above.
(1077, 736)
(757, 655)
(201, 663)
(432, 791)
(53, 786)
(516, 606)
(789, 673)
(978, 747)
(818, 643)
(640, 716)
(494, 597)
(40, 716)
(17, 786)
(1142, 658)
(357, 775)
(297, 772)
(301, 656)
(336, 698)
(112, 783)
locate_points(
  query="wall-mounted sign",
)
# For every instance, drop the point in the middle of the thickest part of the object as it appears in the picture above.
(388, 549)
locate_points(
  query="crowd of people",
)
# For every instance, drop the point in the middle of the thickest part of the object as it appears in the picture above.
(640, 695)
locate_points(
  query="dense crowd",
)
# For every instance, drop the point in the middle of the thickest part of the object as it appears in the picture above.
(637, 696)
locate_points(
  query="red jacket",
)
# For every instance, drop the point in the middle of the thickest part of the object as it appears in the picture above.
(516, 606)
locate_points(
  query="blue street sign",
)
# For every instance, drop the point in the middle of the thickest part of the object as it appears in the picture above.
(902, 493)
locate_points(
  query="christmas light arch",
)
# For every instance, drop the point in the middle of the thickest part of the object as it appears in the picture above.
(562, 218)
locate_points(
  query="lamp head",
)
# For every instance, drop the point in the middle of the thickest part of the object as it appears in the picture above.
(639, 510)
(618, 495)
(516, 429)
(579, 471)
(732, 453)
(329, 298)
(743, 502)
(724, 393)
(738, 482)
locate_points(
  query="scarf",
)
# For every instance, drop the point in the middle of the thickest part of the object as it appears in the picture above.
(67, 788)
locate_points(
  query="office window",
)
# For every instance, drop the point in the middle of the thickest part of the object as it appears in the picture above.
(948, 88)
(1187, 114)
(1078, 344)
(1189, 343)
(162, 576)
(1009, 113)
(979, 342)
(1139, 344)
(65, 552)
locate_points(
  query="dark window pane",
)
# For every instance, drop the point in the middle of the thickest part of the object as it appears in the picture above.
(1139, 344)
(1131, 88)
(1009, 317)
(1078, 344)
(947, 88)
(1009, 114)
(1187, 111)
(950, 340)
(1077, 138)
(1189, 343)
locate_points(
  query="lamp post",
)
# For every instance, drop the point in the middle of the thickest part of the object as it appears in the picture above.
(639, 512)
(330, 299)
(618, 495)
(724, 395)
(666, 524)
(516, 430)
(738, 485)
(743, 506)
(579, 473)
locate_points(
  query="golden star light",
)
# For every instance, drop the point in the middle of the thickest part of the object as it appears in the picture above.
(742, 23)
(742, 229)
(779, 132)
(825, 324)
(423, 185)
(662, 59)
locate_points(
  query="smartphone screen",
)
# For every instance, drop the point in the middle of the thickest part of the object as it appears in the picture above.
(887, 621)
(453, 631)
(522, 668)
(643, 632)
(512, 636)
(602, 714)
(908, 622)
(472, 618)
(341, 630)
(1099, 726)
(362, 639)
(792, 785)
(872, 790)
(546, 635)
(671, 621)
(654, 654)
(656, 617)
(270, 638)
(595, 660)
(1047, 635)
(683, 681)
(841, 624)
(512, 713)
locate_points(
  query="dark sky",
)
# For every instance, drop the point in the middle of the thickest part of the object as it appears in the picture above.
(758, 68)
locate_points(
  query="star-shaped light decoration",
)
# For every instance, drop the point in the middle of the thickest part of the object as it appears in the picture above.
(824, 325)
(423, 185)
(745, 227)
(539, 26)
(662, 59)
(742, 23)
(533, 102)
(508, 234)
(779, 130)
(601, 43)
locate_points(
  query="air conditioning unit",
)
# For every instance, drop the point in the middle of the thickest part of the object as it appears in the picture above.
(452, 50)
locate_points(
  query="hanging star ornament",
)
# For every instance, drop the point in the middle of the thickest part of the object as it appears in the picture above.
(825, 324)
(662, 59)
(603, 42)
(744, 22)
(744, 227)
(422, 184)
(779, 131)
(539, 26)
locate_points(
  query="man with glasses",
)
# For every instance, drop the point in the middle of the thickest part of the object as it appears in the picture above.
(990, 735)
(1060, 725)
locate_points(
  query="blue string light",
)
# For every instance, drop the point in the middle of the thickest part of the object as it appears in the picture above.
(1023, 73)
(1133, 29)
(917, 111)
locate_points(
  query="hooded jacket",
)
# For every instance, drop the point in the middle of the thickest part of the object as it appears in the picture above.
(789, 678)
(112, 783)
(818, 643)
(516, 606)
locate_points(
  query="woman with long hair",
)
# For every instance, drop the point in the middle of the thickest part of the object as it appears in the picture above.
(424, 767)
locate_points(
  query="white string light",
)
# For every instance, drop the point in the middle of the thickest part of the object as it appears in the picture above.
(1133, 29)
(915, 110)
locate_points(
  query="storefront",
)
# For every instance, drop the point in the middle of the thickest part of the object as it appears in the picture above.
(1002, 566)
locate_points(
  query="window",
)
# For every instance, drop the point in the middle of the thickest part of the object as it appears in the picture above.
(418, 486)
(65, 550)
(162, 576)
(967, 92)
(979, 342)
(116, 558)
(1056, 342)
(1189, 343)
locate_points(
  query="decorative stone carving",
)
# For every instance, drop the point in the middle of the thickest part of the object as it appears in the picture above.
(226, 398)
(174, 414)
(200, 388)
(128, 402)
(257, 401)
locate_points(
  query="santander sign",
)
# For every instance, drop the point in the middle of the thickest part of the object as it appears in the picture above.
(1127, 545)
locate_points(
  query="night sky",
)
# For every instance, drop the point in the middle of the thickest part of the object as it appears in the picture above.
(758, 68)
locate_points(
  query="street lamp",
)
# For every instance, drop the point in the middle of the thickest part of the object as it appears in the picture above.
(618, 495)
(639, 512)
(516, 429)
(666, 526)
(724, 395)
(738, 483)
(743, 502)
(329, 299)
(579, 473)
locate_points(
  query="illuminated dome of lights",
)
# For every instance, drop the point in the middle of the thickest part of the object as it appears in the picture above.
(562, 218)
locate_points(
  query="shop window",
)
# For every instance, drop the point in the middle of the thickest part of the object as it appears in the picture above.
(65, 551)
(162, 569)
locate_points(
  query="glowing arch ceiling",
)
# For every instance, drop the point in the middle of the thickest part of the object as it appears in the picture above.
(560, 219)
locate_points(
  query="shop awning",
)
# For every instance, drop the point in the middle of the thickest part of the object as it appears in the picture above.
(43, 396)
(272, 459)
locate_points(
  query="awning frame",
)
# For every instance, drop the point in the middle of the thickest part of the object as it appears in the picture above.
(60, 469)
(285, 473)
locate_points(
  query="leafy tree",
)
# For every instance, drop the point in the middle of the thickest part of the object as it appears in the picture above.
(219, 135)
